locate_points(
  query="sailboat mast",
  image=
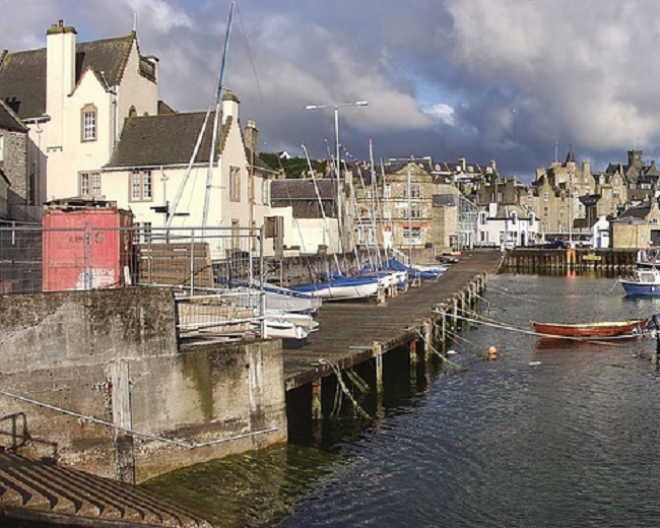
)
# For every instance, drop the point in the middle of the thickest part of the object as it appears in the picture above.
(218, 104)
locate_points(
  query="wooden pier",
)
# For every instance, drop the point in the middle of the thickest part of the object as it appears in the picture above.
(355, 332)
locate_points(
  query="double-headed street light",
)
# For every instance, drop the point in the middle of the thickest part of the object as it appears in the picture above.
(337, 156)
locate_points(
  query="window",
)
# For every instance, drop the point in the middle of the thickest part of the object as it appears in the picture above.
(545, 197)
(141, 186)
(415, 211)
(415, 191)
(416, 234)
(89, 123)
(387, 191)
(235, 184)
(89, 184)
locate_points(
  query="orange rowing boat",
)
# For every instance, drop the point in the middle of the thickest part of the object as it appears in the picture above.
(587, 330)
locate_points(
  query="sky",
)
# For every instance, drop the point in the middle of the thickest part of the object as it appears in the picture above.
(515, 81)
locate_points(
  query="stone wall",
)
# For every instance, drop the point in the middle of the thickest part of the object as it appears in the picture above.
(95, 380)
(15, 165)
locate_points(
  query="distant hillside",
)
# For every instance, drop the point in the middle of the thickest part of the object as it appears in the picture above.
(294, 167)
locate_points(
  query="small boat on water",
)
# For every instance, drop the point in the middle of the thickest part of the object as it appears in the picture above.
(645, 282)
(592, 330)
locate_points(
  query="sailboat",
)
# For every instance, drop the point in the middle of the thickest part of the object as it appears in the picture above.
(336, 286)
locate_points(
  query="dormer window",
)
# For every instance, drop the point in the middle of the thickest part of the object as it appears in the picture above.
(89, 120)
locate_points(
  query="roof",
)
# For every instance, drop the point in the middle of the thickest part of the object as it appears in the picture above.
(302, 189)
(302, 196)
(9, 120)
(23, 74)
(164, 140)
(636, 212)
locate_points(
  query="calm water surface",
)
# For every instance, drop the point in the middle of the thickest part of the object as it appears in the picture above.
(553, 435)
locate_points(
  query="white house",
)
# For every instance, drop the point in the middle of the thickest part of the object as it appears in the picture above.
(75, 97)
(506, 226)
(98, 130)
(600, 233)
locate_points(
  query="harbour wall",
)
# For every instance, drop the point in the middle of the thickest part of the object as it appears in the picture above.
(97, 380)
(530, 260)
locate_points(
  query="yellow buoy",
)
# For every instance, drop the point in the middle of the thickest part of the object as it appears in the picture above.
(492, 353)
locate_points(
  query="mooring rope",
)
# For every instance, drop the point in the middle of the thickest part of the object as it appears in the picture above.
(151, 436)
(344, 388)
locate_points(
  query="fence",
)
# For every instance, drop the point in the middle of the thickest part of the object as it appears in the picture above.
(215, 273)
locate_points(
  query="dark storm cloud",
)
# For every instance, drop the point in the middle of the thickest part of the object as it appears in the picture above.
(486, 79)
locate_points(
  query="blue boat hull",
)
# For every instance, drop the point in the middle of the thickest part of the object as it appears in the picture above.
(635, 288)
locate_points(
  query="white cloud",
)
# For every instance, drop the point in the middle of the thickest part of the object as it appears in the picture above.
(443, 112)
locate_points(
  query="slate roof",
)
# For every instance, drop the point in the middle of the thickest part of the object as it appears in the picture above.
(9, 120)
(302, 197)
(23, 74)
(636, 212)
(302, 189)
(164, 140)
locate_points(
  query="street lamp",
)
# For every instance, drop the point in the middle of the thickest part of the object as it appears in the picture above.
(570, 207)
(337, 162)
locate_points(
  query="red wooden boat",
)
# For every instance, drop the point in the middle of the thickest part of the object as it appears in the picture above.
(591, 330)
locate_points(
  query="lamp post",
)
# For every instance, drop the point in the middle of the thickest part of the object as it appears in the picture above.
(337, 164)
(570, 207)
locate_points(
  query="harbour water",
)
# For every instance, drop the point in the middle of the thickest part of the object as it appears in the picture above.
(548, 435)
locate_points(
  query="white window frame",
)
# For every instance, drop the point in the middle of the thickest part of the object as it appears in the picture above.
(89, 123)
(141, 186)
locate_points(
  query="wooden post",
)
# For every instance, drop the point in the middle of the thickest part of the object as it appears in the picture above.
(120, 386)
(317, 410)
(413, 362)
(427, 332)
(377, 349)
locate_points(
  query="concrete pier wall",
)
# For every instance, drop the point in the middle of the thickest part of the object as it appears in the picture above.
(111, 357)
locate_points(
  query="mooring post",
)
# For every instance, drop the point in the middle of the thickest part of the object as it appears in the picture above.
(455, 315)
(413, 361)
(427, 332)
(377, 349)
(317, 410)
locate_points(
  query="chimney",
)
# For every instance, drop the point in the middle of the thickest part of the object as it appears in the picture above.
(251, 137)
(60, 67)
(230, 105)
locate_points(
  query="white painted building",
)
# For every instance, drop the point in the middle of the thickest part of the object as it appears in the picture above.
(506, 226)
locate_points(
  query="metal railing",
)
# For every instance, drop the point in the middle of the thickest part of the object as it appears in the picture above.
(214, 273)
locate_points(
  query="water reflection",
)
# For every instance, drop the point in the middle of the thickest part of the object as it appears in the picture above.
(552, 433)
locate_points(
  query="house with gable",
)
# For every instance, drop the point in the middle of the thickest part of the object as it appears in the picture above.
(162, 171)
(74, 98)
(96, 129)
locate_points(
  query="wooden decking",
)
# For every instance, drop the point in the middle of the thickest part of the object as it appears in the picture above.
(348, 330)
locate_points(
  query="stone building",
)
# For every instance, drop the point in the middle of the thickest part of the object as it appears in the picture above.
(639, 179)
(15, 181)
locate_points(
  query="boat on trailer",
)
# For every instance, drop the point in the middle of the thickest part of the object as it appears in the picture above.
(630, 328)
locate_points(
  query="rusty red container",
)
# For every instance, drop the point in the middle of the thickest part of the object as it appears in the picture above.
(86, 246)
